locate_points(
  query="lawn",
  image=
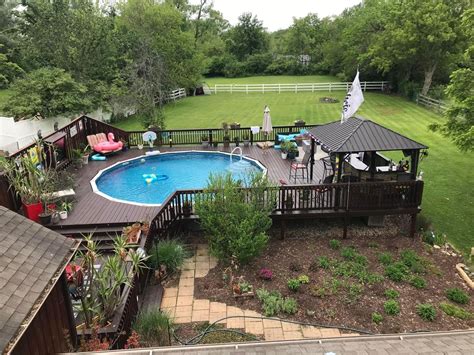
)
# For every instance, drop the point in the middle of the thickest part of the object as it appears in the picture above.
(448, 198)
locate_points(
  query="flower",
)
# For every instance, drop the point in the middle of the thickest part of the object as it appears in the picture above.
(266, 274)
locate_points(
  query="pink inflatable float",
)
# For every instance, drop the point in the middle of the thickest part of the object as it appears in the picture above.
(108, 146)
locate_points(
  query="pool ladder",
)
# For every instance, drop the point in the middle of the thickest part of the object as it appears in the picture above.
(232, 152)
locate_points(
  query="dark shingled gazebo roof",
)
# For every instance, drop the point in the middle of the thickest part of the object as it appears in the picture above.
(30, 256)
(360, 135)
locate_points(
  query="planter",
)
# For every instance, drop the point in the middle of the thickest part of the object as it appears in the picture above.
(205, 144)
(63, 215)
(140, 146)
(215, 144)
(55, 218)
(300, 123)
(246, 142)
(284, 155)
(291, 155)
(187, 211)
(85, 159)
(45, 218)
(226, 144)
(33, 210)
(234, 125)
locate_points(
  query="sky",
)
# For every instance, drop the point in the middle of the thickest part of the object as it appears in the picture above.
(278, 14)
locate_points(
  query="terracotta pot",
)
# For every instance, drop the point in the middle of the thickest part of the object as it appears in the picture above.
(33, 210)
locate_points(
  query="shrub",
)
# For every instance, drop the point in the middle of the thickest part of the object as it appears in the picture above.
(265, 274)
(353, 292)
(411, 259)
(385, 258)
(392, 294)
(235, 225)
(318, 291)
(303, 279)
(294, 284)
(170, 253)
(457, 295)
(360, 259)
(455, 311)
(377, 318)
(391, 307)
(153, 327)
(324, 262)
(348, 253)
(334, 244)
(289, 305)
(396, 272)
(418, 282)
(426, 311)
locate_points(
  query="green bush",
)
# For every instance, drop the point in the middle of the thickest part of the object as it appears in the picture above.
(153, 327)
(334, 244)
(426, 311)
(418, 282)
(391, 307)
(294, 284)
(348, 253)
(360, 259)
(411, 259)
(457, 295)
(455, 311)
(385, 258)
(397, 271)
(392, 294)
(170, 253)
(303, 279)
(236, 224)
(273, 303)
(377, 318)
(289, 305)
(324, 262)
(354, 291)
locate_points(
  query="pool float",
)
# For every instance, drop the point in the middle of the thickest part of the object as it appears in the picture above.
(108, 146)
(98, 157)
(149, 178)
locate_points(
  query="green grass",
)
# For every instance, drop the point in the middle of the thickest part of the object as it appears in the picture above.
(448, 196)
(273, 79)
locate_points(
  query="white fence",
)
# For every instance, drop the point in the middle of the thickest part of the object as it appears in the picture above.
(177, 94)
(304, 87)
(427, 101)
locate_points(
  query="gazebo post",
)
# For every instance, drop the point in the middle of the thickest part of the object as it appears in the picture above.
(414, 158)
(311, 159)
(372, 165)
(339, 167)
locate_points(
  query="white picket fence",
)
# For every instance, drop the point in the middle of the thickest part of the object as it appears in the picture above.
(429, 102)
(177, 94)
(296, 88)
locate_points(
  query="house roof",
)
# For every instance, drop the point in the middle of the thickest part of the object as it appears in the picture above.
(361, 135)
(30, 256)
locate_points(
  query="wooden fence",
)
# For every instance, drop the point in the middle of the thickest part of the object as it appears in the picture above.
(431, 103)
(296, 88)
(177, 94)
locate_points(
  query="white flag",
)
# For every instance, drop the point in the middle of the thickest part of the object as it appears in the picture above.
(353, 100)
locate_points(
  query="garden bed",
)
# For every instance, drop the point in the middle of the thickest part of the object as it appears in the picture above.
(348, 279)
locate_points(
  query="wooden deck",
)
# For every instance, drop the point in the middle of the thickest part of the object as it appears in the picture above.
(96, 212)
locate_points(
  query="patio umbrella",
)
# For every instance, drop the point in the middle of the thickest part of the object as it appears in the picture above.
(267, 121)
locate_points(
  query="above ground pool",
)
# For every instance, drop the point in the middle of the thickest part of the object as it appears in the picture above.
(149, 180)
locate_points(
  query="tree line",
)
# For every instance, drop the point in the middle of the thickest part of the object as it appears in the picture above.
(60, 56)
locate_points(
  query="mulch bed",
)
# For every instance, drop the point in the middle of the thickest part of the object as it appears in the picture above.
(186, 332)
(306, 242)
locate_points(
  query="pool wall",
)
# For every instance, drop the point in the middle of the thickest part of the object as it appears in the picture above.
(96, 190)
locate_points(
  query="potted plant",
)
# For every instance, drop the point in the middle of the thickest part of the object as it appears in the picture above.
(300, 123)
(66, 207)
(226, 141)
(292, 151)
(235, 125)
(246, 139)
(187, 209)
(55, 216)
(85, 155)
(215, 144)
(205, 141)
(237, 141)
(76, 158)
(284, 148)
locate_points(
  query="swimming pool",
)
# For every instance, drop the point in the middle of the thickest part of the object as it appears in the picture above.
(149, 180)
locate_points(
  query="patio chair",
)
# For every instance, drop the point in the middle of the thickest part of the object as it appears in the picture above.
(102, 145)
(302, 167)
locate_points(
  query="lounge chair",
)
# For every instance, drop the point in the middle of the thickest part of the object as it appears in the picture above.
(101, 144)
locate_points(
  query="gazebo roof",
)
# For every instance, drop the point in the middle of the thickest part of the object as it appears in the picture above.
(360, 135)
(30, 257)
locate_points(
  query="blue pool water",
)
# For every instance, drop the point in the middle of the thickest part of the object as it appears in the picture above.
(167, 173)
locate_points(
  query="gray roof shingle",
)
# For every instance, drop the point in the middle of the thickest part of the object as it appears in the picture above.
(21, 264)
(361, 135)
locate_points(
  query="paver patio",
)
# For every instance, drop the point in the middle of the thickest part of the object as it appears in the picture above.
(180, 303)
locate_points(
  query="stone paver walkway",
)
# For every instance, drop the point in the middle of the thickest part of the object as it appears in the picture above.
(180, 303)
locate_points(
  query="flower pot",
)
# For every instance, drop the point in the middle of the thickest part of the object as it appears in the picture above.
(246, 142)
(55, 218)
(85, 159)
(205, 144)
(291, 155)
(45, 218)
(33, 210)
(226, 144)
(284, 155)
(140, 146)
(63, 215)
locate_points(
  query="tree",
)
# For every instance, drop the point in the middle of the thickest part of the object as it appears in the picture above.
(460, 115)
(247, 37)
(306, 36)
(8, 70)
(47, 92)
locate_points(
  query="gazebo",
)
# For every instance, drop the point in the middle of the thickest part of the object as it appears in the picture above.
(353, 148)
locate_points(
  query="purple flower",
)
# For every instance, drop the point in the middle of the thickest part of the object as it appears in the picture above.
(266, 274)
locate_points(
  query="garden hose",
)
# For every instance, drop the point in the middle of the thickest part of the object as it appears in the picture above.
(198, 338)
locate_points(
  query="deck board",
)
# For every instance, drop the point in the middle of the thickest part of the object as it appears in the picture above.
(92, 209)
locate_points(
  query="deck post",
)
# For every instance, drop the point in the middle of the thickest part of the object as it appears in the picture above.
(413, 225)
(311, 159)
